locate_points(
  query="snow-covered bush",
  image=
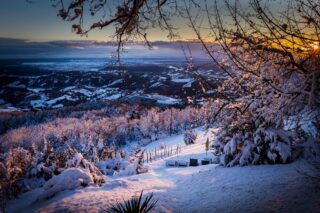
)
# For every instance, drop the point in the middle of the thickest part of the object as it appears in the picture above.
(50, 159)
(253, 143)
(78, 161)
(307, 124)
(112, 166)
(189, 137)
(18, 163)
(70, 178)
(53, 160)
(121, 164)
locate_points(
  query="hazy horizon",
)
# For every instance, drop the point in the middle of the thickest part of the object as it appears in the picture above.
(23, 48)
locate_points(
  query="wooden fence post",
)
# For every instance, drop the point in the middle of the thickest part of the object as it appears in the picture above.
(156, 154)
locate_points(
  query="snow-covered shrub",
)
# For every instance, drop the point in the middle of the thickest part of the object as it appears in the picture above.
(248, 144)
(189, 137)
(307, 124)
(69, 179)
(118, 163)
(78, 161)
(307, 121)
(112, 161)
(51, 159)
(109, 153)
(18, 163)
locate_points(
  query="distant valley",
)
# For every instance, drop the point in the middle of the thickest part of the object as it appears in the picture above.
(35, 84)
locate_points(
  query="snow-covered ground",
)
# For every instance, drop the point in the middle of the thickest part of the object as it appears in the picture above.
(210, 188)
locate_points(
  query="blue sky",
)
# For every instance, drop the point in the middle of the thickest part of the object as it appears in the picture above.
(38, 21)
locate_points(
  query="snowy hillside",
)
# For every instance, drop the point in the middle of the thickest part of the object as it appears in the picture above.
(209, 188)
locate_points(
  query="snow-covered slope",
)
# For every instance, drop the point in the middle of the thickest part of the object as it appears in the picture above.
(211, 188)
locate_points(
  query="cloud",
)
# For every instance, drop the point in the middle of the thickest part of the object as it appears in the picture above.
(22, 48)
(11, 41)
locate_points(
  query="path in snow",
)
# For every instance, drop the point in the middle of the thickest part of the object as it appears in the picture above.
(266, 188)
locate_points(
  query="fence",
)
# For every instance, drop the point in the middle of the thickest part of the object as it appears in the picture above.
(160, 153)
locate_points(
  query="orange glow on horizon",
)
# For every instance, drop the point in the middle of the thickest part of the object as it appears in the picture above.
(315, 46)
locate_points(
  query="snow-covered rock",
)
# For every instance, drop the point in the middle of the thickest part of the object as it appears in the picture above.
(182, 163)
(171, 163)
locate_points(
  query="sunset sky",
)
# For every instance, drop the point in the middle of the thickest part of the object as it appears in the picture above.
(35, 30)
(38, 21)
